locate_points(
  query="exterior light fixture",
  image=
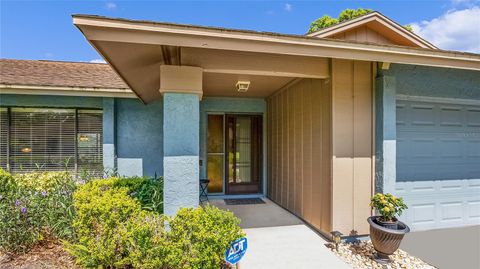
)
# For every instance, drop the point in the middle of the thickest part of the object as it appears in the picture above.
(26, 150)
(242, 86)
(83, 138)
(337, 238)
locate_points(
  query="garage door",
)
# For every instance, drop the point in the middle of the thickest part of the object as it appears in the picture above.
(438, 163)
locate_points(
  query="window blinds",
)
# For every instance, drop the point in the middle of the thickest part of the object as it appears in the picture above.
(3, 138)
(45, 139)
(42, 139)
(90, 144)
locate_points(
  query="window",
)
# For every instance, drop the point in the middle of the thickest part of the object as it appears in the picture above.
(51, 140)
(3, 137)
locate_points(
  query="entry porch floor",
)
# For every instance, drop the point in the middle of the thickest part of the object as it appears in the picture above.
(277, 239)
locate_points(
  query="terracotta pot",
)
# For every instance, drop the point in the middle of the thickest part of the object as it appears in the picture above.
(386, 241)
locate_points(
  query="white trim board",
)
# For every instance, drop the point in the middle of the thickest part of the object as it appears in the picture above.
(65, 91)
(458, 101)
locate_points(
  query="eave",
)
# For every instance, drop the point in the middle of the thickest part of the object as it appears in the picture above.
(121, 30)
(65, 91)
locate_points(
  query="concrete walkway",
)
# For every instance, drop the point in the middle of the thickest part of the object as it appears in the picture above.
(277, 239)
(446, 248)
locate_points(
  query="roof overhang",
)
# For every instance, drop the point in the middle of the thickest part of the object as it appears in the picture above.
(380, 23)
(65, 91)
(136, 49)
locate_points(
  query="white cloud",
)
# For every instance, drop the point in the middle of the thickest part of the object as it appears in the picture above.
(111, 5)
(288, 7)
(98, 61)
(455, 30)
(49, 54)
(464, 2)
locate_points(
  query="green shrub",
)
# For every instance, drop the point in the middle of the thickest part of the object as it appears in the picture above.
(33, 207)
(102, 224)
(148, 191)
(200, 236)
(114, 230)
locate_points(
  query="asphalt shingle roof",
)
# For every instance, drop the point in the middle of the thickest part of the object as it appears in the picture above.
(59, 74)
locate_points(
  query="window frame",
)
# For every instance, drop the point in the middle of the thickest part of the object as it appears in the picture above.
(76, 129)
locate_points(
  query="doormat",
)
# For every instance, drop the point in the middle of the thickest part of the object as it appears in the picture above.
(249, 201)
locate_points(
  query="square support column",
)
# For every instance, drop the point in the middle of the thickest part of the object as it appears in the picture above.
(386, 134)
(181, 90)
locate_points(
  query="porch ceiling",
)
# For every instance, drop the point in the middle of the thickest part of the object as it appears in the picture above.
(139, 66)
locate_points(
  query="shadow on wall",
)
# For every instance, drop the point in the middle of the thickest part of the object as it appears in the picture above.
(139, 135)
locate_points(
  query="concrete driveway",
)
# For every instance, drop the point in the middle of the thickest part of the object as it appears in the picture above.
(446, 248)
(277, 239)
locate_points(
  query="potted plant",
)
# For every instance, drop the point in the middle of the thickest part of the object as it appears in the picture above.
(386, 231)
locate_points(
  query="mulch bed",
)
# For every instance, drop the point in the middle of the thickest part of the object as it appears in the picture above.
(48, 255)
(361, 255)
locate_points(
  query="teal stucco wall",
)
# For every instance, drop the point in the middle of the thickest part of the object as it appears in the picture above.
(412, 80)
(435, 81)
(139, 133)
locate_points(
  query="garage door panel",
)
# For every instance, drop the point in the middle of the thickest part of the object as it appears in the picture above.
(473, 211)
(451, 116)
(440, 204)
(438, 163)
(473, 117)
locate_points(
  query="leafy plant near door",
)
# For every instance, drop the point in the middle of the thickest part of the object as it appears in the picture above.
(386, 231)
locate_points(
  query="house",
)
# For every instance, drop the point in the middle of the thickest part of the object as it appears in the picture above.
(316, 123)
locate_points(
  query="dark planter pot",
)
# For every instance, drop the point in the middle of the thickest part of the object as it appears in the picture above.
(386, 240)
(393, 225)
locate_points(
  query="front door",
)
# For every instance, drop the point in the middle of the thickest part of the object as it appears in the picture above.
(243, 138)
(234, 154)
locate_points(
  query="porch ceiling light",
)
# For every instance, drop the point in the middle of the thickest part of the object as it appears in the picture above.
(242, 86)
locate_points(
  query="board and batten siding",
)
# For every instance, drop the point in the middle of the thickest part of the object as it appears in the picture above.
(299, 151)
(321, 148)
(363, 34)
(352, 133)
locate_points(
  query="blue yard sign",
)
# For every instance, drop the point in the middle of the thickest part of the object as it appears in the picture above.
(236, 250)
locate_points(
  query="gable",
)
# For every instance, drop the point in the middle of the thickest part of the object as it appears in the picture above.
(365, 34)
(373, 28)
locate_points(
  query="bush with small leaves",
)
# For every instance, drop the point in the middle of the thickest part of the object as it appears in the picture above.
(34, 207)
(200, 236)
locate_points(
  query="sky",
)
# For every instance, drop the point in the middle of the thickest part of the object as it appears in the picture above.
(44, 30)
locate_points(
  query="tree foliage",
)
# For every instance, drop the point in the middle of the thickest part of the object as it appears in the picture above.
(349, 14)
(408, 27)
(321, 23)
(327, 21)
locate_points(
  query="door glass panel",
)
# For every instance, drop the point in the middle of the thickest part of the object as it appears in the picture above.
(215, 173)
(215, 153)
(243, 141)
(215, 133)
(243, 153)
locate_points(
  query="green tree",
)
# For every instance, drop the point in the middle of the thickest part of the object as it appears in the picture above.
(327, 21)
(321, 23)
(349, 14)
(408, 27)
